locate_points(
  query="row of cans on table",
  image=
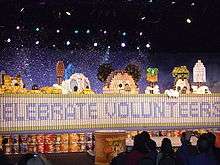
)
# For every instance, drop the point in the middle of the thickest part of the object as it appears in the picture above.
(46, 143)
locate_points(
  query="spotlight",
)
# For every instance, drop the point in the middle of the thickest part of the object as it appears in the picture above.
(37, 29)
(37, 42)
(188, 20)
(87, 31)
(67, 43)
(192, 4)
(68, 13)
(109, 47)
(58, 30)
(9, 40)
(17, 27)
(148, 45)
(124, 33)
(76, 31)
(173, 2)
(123, 44)
(141, 33)
(105, 32)
(138, 48)
(95, 44)
(54, 45)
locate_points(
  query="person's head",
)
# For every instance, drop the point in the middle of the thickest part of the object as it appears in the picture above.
(203, 144)
(166, 146)
(31, 159)
(185, 138)
(139, 143)
(146, 135)
(211, 138)
(152, 145)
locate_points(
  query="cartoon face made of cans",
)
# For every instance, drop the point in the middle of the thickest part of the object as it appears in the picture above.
(120, 82)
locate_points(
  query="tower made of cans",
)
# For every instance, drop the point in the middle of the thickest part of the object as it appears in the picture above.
(60, 71)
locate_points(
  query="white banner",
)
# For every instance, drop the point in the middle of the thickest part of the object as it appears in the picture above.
(20, 113)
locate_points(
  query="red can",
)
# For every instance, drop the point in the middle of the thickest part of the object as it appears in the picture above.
(40, 148)
(48, 148)
(50, 139)
(64, 148)
(40, 139)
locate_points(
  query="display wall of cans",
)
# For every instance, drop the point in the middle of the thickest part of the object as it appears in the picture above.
(44, 143)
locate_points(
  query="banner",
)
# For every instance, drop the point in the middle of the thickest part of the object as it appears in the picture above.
(35, 113)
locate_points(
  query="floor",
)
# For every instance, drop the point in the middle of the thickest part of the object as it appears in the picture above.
(62, 158)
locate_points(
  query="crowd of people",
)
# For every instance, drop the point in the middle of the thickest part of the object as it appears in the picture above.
(145, 151)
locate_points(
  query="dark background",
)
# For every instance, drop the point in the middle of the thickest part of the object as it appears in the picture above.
(173, 41)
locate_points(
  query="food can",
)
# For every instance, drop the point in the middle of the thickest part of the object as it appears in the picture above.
(40, 148)
(50, 139)
(31, 139)
(32, 148)
(8, 149)
(74, 147)
(24, 138)
(8, 140)
(15, 139)
(57, 148)
(82, 137)
(16, 149)
(23, 148)
(73, 137)
(1, 138)
(40, 139)
(58, 138)
(83, 148)
(64, 138)
(49, 148)
(64, 147)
